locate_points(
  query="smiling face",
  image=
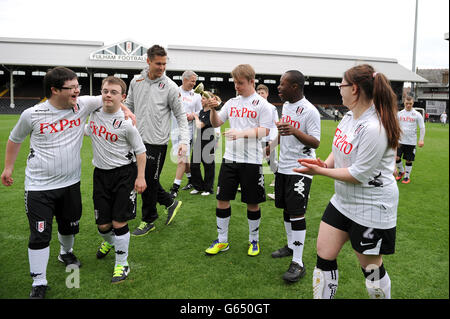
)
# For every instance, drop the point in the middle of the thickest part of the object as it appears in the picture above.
(112, 97)
(189, 83)
(66, 96)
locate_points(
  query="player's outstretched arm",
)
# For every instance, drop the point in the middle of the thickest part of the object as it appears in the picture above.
(214, 118)
(12, 150)
(128, 114)
(140, 185)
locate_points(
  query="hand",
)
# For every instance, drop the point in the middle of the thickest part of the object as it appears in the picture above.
(310, 166)
(140, 185)
(285, 129)
(212, 103)
(232, 134)
(421, 143)
(182, 150)
(7, 180)
(129, 114)
(316, 161)
(190, 117)
(267, 150)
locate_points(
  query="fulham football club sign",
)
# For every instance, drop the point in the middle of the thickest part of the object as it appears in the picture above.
(126, 51)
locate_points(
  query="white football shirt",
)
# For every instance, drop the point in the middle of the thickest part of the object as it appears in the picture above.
(115, 141)
(305, 117)
(56, 137)
(244, 113)
(361, 146)
(408, 123)
(273, 134)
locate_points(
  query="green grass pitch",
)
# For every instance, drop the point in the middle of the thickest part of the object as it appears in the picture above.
(170, 262)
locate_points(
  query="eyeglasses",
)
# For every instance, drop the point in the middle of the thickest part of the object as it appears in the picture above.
(342, 85)
(113, 92)
(71, 88)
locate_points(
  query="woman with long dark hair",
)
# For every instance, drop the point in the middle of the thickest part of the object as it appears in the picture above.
(364, 206)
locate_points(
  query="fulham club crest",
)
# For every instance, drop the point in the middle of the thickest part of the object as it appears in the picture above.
(359, 128)
(117, 123)
(40, 226)
(161, 85)
(299, 110)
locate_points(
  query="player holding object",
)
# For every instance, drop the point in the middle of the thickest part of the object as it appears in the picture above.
(52, 175)
(153, 96)
(299, 136)
(249, 116)
(116, 145)
(364, 206)
(192, 105)
(409, 119)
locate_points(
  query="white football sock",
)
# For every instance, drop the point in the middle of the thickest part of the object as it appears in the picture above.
(408, 169)
(108, 237)
(380, 289)
(38, 259)
(253, 227)
(222, 229)
(298, 239)
(66, 242)
(400, 168)
(121, 245)
(288, 228)
(325, 283)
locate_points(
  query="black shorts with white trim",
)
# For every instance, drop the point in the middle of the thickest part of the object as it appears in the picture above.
(292, 192)
(114, 195)
(364, 240)
(249, 176)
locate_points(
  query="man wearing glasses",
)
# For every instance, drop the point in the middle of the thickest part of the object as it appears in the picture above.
(53, 171)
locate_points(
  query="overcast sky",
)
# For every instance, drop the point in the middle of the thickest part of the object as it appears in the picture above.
(381, 28)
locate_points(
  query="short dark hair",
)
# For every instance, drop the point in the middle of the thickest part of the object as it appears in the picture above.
(296, 77)
(56, 78)
(156, 50)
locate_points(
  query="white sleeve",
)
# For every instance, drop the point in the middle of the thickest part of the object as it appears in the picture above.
(135, 139)
(313, 124)
(198, 105)
(22, 128)
(129, 101)
(265, 116)
(371, 148)
(420, 121)
(92, 103)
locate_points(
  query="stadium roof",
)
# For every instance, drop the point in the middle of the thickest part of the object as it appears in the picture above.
(129, 54)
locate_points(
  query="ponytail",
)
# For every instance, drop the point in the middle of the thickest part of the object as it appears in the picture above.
(377, 87)
(385, 102)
